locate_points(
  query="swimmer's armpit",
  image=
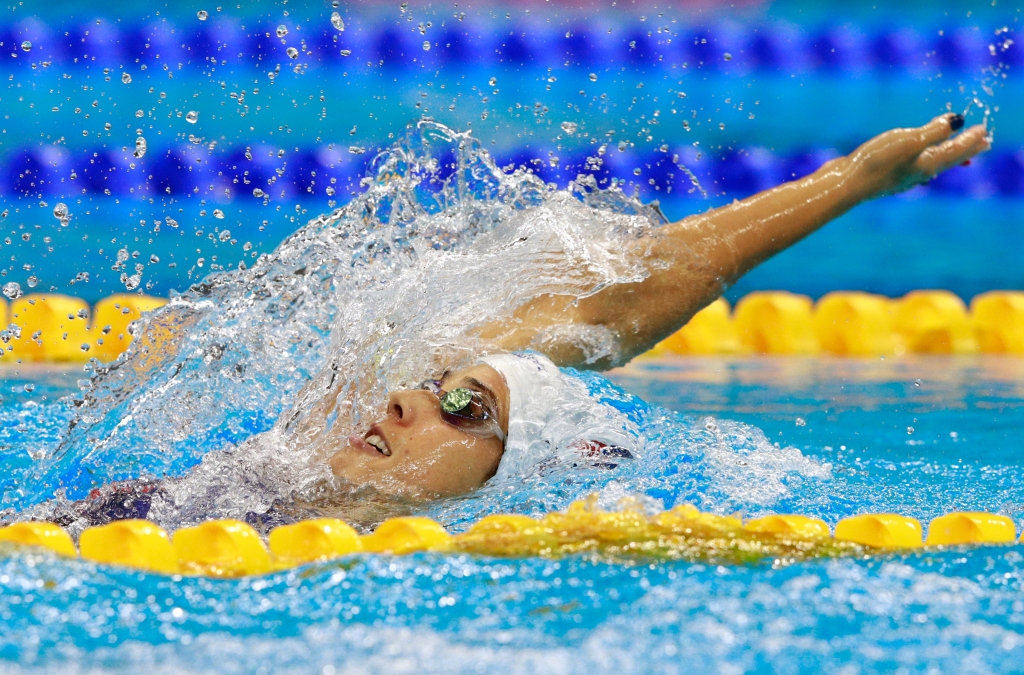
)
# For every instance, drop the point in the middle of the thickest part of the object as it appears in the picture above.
(696, 259)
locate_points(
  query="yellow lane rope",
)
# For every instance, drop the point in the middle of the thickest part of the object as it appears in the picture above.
(229, 548)
(61, 328)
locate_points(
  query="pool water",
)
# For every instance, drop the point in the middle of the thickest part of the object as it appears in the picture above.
(919, 436)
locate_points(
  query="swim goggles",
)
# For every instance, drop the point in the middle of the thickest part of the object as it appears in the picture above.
(466, 410)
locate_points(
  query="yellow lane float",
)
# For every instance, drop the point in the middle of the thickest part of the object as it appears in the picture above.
(998, 318)
(776, 323)
(221, 548)
(970, 528)
(880, 530)
(230, 548)
(46, 535)
(311, 540)
(130, 543)
(855, 324)
(934, 322)
(710, 331)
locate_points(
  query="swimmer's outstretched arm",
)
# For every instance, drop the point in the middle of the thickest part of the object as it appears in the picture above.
(694, 260)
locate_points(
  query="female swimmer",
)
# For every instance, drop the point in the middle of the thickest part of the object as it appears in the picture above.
(514, 410)
(452, 435)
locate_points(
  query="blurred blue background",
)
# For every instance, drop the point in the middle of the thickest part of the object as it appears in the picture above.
(258, 116)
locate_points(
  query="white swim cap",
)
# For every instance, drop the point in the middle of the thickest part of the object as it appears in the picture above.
(551, 415)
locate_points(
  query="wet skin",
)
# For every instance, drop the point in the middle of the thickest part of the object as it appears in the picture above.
(429, 457)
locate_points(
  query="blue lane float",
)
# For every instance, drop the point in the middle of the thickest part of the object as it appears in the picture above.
(261, 171)
(726, 46)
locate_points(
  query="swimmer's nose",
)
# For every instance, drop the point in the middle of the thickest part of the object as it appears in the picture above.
(406, 405)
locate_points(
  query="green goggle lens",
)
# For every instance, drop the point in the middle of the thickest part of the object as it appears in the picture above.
(456, 400)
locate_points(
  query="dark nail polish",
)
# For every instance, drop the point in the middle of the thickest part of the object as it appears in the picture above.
(956, 122)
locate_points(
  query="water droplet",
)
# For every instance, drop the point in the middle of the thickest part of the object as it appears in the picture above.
(26, 46)
(85, 346)
(33, 281)
(681, 94)
(12, 289)
(727, 56)
(293, 53)
(346, 52)
(140, 147)
(192, 117)
(426, 45)
(217, 213)
(593, 77)
(282, 30)
(493, 81)
(202, 14)
(330, 191)
(126, 78)
(140, 113)
(256, 192)
(569, 127)
(225, 235)
(636, 171)
(29, 388)
(801, 422)
(337, 22)
(171, 222)
(356, 150)
(60, 211)
(721, 125)
(910, 430)
(917, 383)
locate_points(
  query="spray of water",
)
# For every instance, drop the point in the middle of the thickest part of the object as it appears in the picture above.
(384, 292)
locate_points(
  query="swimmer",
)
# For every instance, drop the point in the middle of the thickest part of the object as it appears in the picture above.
(513, 412)
(451, 435)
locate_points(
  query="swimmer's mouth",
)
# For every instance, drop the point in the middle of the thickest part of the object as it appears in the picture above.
(375, 438)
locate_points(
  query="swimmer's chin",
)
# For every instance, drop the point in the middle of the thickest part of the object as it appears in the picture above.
(351, 485)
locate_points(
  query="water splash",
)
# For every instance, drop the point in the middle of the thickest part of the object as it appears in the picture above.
(385, 291)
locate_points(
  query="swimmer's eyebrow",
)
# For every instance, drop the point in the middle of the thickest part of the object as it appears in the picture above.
(486, 391)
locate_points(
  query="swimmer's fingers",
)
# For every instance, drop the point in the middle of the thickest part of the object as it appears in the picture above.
(938, 158)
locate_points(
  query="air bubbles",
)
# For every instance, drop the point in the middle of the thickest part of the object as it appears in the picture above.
(426, 45)
(26, 46)
(292, 52)
(12, 289)
(727, 56)
(140, 147)
(225, 235)
(140, 113)
(171, 222)
(356, 150)
(569, 127)
(218, 214)
(593, 77)
(85, 346)
(32, 281)
(60, 211)
(256, 192)
(192, 117)
(681, 94)
(126, 78)
(801, 422)
(202, 14)
(337, 22)
(282, 30)
(493, 81)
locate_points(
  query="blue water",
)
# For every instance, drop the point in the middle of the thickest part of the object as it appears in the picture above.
(959, 610)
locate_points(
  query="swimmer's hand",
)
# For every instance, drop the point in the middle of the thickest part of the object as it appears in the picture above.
(902, 158)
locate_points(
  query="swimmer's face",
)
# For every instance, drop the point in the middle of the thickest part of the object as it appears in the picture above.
(429, 457)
